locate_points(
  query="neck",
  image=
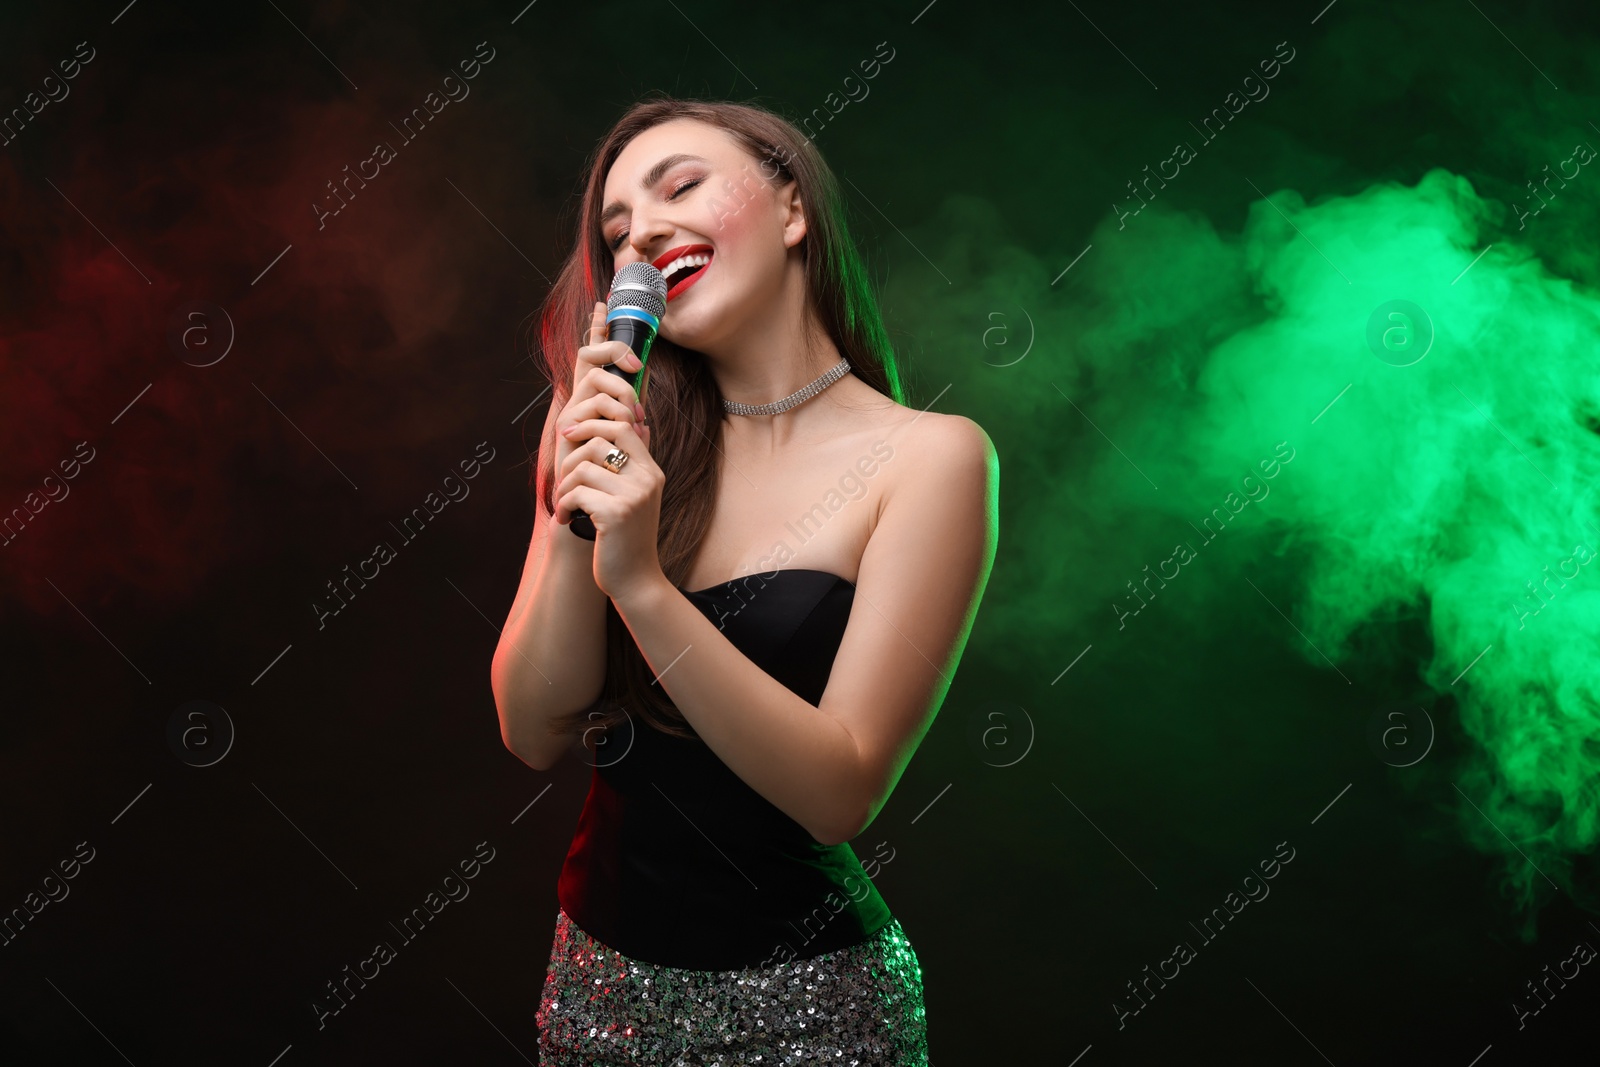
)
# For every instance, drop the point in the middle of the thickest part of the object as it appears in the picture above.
(769, 360)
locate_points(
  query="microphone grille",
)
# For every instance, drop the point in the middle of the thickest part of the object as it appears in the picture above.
(639, 285)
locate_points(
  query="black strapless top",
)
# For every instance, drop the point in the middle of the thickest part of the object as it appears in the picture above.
(676, 861)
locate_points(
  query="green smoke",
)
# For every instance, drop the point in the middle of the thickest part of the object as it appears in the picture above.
(1453, 486)
(1435, 491)
(1431, 539)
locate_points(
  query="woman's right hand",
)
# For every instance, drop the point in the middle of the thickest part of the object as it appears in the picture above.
(596, 392)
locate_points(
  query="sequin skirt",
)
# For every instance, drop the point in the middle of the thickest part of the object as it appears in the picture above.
(853, 1007)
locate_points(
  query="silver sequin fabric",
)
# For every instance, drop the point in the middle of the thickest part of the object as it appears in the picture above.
(859, 1006)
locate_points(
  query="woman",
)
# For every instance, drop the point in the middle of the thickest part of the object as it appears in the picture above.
(746, 718)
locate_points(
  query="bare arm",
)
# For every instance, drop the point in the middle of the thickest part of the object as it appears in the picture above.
(832, 767)
(551, 656)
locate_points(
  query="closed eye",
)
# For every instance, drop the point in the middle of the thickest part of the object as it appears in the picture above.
(616, 242)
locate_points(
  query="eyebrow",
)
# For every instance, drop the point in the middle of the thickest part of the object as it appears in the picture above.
(617, 207)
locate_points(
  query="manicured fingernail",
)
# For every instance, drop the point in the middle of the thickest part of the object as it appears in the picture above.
(568, 431)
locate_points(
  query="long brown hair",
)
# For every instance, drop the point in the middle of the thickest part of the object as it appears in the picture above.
(682, 401)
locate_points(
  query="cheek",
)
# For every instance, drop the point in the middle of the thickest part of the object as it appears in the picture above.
(732, 223)
(751, 239)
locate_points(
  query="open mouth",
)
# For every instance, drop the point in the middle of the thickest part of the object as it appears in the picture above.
(684, 267)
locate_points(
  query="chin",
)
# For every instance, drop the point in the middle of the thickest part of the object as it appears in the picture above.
(698, 328)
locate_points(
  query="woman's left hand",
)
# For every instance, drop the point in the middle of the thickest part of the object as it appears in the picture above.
(625, 507)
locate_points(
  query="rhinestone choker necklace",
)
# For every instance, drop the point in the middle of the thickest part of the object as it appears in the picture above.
(799, 396)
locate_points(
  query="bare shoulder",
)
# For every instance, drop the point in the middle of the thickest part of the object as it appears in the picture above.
(963, 439)
(944, 447)
(946, 477)
(937, 530)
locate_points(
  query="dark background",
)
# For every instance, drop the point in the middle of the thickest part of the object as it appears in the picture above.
(992, 153)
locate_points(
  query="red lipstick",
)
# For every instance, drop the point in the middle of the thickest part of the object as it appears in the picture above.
(686, 280)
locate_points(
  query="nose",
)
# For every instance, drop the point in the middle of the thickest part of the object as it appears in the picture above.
(647, 233)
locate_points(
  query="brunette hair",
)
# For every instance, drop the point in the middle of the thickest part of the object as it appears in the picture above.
(683, 403)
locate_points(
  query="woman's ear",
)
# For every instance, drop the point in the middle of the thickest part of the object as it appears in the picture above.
(794, 225)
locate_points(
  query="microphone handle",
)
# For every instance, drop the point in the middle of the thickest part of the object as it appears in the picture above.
(636, 335)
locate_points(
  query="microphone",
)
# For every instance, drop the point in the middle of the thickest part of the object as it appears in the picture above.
(634, 309)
